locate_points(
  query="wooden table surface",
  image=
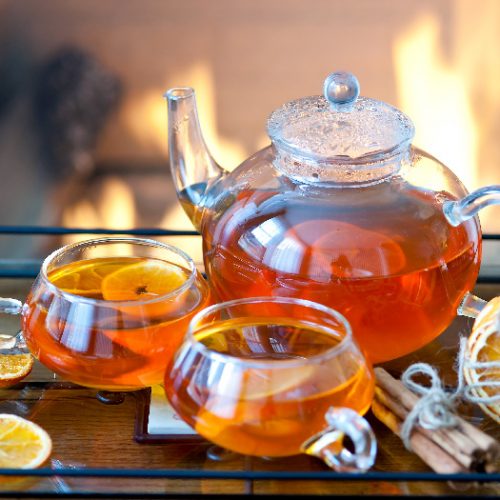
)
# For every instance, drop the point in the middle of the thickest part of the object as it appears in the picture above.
(88, 434)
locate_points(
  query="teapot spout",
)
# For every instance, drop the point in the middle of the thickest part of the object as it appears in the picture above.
(459, 211)
(192, 166)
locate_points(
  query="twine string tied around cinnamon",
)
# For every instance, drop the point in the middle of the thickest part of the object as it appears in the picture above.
(436, 407)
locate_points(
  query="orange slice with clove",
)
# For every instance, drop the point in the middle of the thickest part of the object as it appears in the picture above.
(143, 281)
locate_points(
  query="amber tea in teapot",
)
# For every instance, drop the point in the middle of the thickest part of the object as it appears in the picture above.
(388, 277)
(340, 209)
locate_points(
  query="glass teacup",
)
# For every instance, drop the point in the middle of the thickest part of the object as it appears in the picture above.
(275, 377)
(109, 313)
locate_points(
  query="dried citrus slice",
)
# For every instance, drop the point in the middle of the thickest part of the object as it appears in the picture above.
(23, 444)
(483, 346)
(142, 281)
(14, 367)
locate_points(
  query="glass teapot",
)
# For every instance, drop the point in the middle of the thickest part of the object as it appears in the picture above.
(339, 209)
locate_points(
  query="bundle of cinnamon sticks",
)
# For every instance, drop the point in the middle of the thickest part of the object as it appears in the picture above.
(462, 448)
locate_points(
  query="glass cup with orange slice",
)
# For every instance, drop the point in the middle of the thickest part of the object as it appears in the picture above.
(109, 313)
(275, 377)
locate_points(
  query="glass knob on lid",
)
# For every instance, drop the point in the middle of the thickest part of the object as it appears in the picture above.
(339, 138)
(341, 89)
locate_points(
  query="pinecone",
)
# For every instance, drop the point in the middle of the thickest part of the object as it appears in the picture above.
(74, 96)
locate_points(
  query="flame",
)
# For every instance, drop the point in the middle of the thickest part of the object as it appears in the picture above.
(144, 116)
(114, 208)
(434, 94)
(176, 218)
(146, 120)
(227, 152)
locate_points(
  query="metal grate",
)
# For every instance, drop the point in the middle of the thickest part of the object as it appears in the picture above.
(12, 268)
(29, 268)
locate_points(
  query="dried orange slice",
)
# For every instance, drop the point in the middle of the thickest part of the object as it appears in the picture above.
(483, 346)
(23, 444)
(14, 367)
(142, 281)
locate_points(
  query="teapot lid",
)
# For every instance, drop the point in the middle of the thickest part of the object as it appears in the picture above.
(339, 126)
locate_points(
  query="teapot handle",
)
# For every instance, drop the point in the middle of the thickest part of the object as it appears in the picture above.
(12, 344)
(459, 211)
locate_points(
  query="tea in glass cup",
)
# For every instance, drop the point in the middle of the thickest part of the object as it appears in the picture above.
(275, 377)
(109, 313)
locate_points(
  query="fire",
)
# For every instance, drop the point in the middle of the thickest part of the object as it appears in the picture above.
(176, 218)
(146, 120)
(450, 95)
(114, 208)
(145, 116)
(434, 94)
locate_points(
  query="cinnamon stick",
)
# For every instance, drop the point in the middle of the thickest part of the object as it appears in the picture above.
(434, 456)
(469, 447)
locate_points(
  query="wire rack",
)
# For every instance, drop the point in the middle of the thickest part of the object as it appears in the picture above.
(10, 268)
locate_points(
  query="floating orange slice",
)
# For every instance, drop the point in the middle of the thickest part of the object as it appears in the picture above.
(335, 248)
(80, 281)
(258, 384)
(23, 444)
(14, 367)
(483, 346)
(65, 281)
(143, 281)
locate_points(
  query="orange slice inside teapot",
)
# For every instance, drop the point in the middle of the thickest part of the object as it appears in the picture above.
(344, 250)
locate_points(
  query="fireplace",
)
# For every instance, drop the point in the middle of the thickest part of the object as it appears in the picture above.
(244, 59)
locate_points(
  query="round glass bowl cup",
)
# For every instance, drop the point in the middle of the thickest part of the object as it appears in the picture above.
(275, 377)
(108, 340)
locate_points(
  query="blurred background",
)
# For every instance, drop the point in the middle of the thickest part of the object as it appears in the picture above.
(83, 138)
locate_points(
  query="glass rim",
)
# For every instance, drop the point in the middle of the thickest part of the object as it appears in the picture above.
(178, 93)
(146, 242)
(266, 364)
